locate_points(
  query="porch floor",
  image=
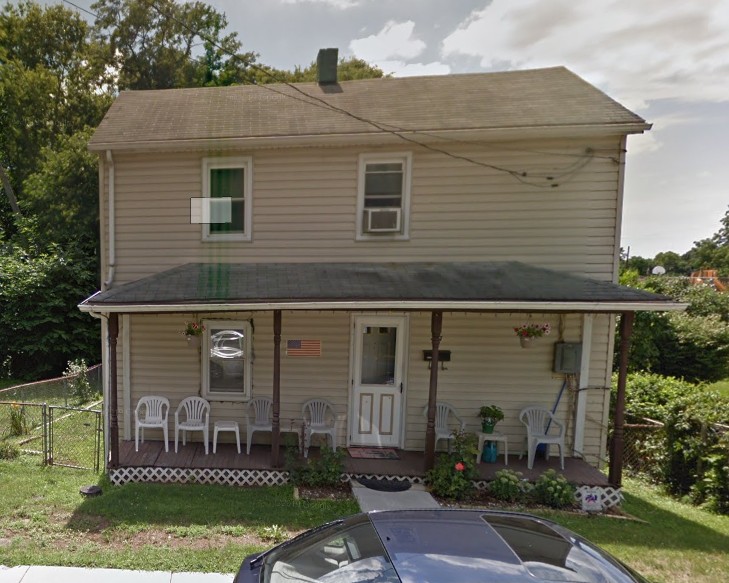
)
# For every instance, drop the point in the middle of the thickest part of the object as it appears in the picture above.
(410, 464)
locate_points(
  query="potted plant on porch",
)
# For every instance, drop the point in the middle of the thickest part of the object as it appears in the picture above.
(490, 415)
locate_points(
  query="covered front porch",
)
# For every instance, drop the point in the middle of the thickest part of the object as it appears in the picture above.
(256, 469)
(479, 300)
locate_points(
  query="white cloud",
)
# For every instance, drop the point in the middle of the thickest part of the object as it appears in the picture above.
(394, 41)
(341, 4)
(635, 50)
(403, 69)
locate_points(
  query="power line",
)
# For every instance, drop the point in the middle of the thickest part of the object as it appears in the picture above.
(520, 175)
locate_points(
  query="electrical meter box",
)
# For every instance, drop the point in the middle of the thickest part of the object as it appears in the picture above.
(567, 357)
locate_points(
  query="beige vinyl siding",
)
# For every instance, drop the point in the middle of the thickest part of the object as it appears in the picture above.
(487, 366)
(304, 203)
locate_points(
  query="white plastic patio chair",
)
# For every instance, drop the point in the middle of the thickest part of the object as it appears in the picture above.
(196, 411)
(151, 412)
(261, 408)
(443, 424)
(539, 422)
(319, 417)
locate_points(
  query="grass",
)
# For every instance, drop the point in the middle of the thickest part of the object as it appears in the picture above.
(195, 527)
(673, 542)
(720, 387)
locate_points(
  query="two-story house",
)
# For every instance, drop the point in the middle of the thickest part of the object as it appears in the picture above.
(373, 243)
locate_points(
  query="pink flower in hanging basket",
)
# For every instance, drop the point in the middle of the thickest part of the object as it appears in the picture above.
(193, 329)
(532, 330)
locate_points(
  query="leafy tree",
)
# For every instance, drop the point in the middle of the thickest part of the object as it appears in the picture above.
(62, 194)
(40, 326)
(347, 70)
(151, 44)
(693, 345)
(52, 84)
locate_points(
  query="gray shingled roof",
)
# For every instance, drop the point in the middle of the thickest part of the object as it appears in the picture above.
(330, 283)
(551, 97)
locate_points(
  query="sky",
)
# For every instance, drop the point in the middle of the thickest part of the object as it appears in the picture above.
(666, 60)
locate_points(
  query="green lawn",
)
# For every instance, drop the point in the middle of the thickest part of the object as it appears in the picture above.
(721, 387)
(44, 520)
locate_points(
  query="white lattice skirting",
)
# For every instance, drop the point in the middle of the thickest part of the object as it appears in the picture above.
(603, 497)
(226, 477)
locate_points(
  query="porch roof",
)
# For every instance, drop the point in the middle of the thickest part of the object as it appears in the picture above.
(486, 286)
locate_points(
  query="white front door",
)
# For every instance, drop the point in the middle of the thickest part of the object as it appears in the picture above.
(377, 379)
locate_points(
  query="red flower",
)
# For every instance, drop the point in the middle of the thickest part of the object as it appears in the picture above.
(460, 467)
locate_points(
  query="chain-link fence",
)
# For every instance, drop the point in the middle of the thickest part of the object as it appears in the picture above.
(643, 446)
(57, 391)
(74, 437)
(38, 419)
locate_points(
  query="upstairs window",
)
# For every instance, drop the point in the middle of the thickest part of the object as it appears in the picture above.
(227, 180)
(383, 201)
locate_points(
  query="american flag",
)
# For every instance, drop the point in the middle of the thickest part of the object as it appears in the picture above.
(303, 347)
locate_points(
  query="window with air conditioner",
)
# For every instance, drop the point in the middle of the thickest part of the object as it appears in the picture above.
(226, 191)
(383, 203)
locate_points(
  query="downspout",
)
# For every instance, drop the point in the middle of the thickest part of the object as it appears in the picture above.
(112, 221)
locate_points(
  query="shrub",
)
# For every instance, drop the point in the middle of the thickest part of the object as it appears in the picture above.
(326, 470)
(453, 474)
(451, 478)
(77, 377)
(8, 451)
(508, 486)
(18, 420)
(553, 489)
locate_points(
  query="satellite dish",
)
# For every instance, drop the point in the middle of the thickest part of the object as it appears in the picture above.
(658, 270)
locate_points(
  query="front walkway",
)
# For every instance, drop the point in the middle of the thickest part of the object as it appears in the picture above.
(410, 465)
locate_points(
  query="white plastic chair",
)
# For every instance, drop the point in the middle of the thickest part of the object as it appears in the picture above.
(196, 412)
(539, 421)
(443, 424)
(261, 408)
(319, 417)
(151, 412)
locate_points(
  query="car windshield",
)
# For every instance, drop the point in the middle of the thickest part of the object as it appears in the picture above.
(349, 552)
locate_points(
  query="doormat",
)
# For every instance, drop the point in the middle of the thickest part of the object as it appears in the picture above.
(384, 484)
(373, 453)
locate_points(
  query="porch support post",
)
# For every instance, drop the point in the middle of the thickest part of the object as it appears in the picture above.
(276, 420)
(436, 326)
(113, 409)
(615, 475)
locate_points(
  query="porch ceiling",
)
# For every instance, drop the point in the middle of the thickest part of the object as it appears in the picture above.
(487, 286)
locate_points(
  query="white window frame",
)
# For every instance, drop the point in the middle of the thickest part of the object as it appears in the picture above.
(406, 159)
(246, 163)
(207, 392)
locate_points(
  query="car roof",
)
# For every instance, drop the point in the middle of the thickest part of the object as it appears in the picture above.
(489, 546)
(448, 545)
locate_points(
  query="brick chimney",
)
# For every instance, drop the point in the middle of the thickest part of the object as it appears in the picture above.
(326, 65)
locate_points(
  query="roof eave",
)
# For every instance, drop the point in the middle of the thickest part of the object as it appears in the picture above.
(419, 305)
(374, 137)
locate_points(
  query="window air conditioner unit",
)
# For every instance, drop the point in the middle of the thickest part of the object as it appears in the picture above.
(382, 220)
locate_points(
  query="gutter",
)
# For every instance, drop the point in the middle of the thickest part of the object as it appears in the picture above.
(353, 305)
(112, 222)
(373, 137)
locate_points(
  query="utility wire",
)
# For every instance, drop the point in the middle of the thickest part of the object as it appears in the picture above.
(520, 175)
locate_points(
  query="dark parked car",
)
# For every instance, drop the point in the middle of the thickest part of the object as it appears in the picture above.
(436, 546)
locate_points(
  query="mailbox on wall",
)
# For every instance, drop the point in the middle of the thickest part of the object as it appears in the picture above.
(567, 357)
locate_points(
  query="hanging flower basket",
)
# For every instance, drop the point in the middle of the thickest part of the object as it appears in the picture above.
(193, 333)
(529, 331)
(193, 341)
(526, 342)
